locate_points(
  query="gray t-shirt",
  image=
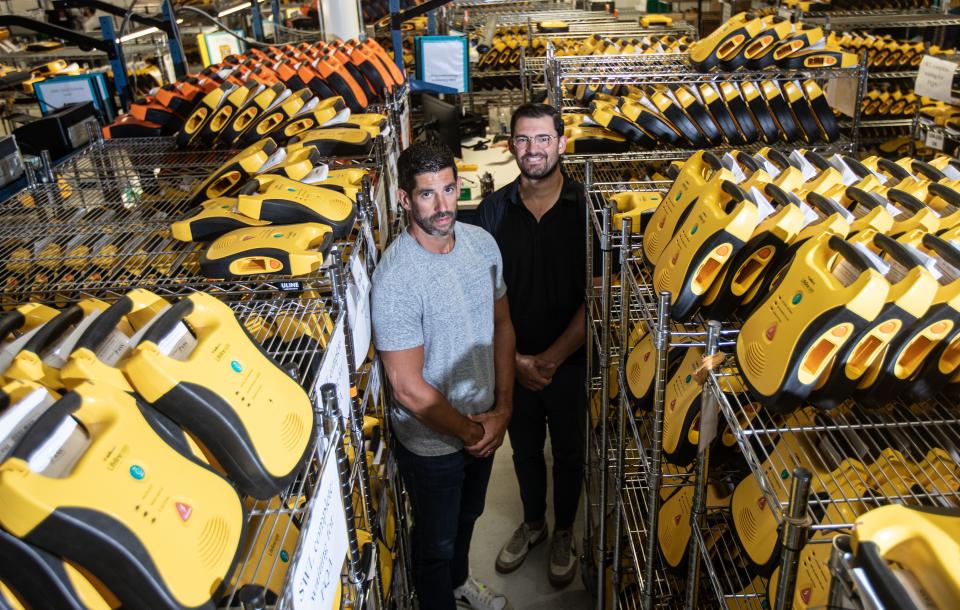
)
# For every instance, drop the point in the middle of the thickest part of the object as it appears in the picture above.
(443, 302)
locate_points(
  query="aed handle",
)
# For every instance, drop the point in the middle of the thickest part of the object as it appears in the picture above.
(886, 586)
(100, 329)
(53, 329)
(167, 321)
(897, 251)
(853, 256)
(927, 171)
(906, 200)
(893, 169)
(779, 196)
(867, 199)
(45, 425)
(10, 322)
(944, 248)
(712, 160)
(251, 187)
(861, 170)
(736, 193)
(826, 205)
(817, 160)
(946, 193)
(672, 172)
(747, 161)
(778, 158)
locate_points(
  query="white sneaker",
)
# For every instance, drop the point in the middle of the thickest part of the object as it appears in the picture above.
(515, 550)
(563, 558)
(478, 596)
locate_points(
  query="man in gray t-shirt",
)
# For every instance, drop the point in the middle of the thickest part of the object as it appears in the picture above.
(442, 326)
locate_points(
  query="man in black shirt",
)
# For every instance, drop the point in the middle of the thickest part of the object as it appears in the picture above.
(539, 224)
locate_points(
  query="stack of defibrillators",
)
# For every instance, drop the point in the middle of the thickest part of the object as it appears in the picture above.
(277, 92)
(890, 102)
(884, 52)
(844, 276)
(699, 116)
(749, 41)
(273, 210)
(134, 438)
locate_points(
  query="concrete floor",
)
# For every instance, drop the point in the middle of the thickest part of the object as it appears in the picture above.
(528, 587)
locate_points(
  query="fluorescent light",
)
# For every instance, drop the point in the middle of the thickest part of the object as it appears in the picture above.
(142, 33)
(234, 9)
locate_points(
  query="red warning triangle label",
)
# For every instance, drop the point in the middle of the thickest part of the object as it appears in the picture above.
(676, 520)
(805, 595)
(185, 510)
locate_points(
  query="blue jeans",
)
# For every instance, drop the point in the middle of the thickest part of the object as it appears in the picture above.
(447, 493)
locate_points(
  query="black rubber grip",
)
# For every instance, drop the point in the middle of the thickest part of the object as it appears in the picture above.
(45, 425)
(817, 160)
(732, 189)
(947, 250)
(826, 205)
(778, 195)
(897, 251)
(853, 256)
(52, 330)
(778, 158)
(167, 321)
(946, 193)
(747, 161)
(867, 199)
(712, 160)
(893, 169)
(888, 588)
(926, 170)
(101, 328)
(861, 170)
(9, 322)
(906, 200)
(250, 187)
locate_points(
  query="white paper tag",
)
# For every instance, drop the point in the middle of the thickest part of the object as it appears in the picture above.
(56, 356)
(935, 79)
(178, 343)
(358, 306)
(334, 369)
(113, 348)
(375, 379)
(649, 104)
(18, 418)
(11, 349)
(323, 545)
(784, 12)
(53, 449)
(894, 210)
(767, 165)
(370, 241)
(848, 176)
(951, 172)
(278, 157)
(317, 174)
(841, 95)
(934, 139)
(872, 257)
(731, 164)
(810, 215)
(764, 208)
(342, 117)
(809, 170)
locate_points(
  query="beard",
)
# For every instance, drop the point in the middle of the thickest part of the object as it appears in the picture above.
(429, 223)
(543, 172)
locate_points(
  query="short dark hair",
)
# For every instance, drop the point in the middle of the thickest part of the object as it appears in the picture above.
(422, 158)
(535, 111)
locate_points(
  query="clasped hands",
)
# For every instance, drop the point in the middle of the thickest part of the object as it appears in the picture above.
(535, 372)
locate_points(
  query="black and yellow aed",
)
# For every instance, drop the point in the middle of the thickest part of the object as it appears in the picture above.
(334, 141)
(792, 336)
(214, 218)
(205, 110)
(122, 504)
(232, 174)
(228, 393)
(282, 110)
(299, 249)
(250, 113)
(277, 199)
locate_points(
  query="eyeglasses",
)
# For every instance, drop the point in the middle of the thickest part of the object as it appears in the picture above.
(524, 141)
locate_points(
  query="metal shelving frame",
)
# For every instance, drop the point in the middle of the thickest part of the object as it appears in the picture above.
(561, 72)
(122, 195)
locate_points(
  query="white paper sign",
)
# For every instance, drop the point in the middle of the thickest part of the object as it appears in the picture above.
(358, 306)
(334, 369)
(443, 61)
(935, 79)
(934, 139)
(375, 379)
(323, 546)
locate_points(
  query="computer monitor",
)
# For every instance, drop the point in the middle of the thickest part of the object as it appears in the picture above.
(442, 122)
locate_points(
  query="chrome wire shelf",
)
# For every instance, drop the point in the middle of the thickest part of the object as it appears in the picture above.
(72, 53)
(727, 570)
(888, 74)
(891, 122)
(665, 586)
(882, 18)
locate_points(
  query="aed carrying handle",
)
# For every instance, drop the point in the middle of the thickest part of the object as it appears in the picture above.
(749, 162)
(10, 322)
(867, 199)
(780, 196)
(712, 160)
(948, 251)
(861, 170)
(826, 205)
(886, 586)
(906, 200)
(778, 158)
(853, 256)
(734, 190)
(817, 160)
(100, 329)
(53, 329)
(893, 169)
(167, 321)
(897, 251)
(945, 192)
(927, 171)
(45, 425)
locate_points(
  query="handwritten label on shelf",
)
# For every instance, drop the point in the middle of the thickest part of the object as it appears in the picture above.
(935, 79)
(841, 94)
(334, 369)
(934, 139)
(323, 546)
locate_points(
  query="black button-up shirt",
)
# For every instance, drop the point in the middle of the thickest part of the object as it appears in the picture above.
(543, 262)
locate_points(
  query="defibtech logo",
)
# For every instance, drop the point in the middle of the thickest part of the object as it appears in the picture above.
(761, 502)
(805, 595)
(185, 510)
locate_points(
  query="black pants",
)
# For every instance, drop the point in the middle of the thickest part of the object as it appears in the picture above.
(559, 407)
(447, 493)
